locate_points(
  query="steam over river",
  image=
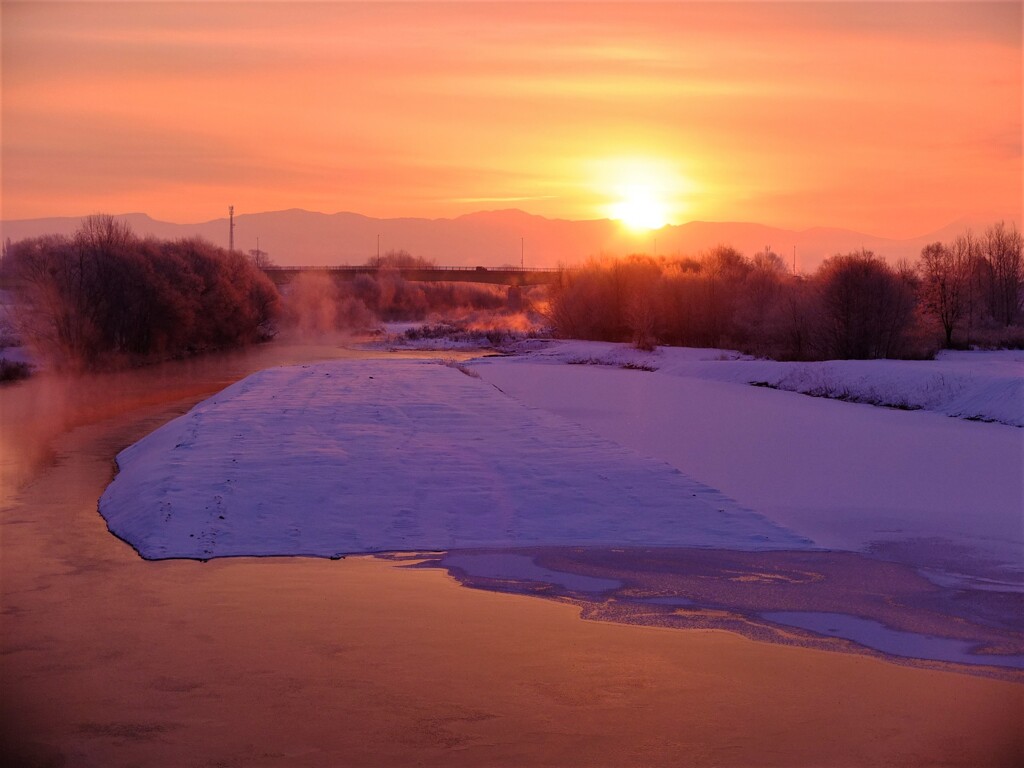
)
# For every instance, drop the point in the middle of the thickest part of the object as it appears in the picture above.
(34, 412)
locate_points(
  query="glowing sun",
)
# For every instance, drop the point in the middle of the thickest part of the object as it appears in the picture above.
(640, 207)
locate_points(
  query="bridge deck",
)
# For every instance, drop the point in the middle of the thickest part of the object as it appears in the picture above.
(495, 275)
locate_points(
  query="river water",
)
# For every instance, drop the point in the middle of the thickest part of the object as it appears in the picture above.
(59, 435)
(85, 655)
(111, 660)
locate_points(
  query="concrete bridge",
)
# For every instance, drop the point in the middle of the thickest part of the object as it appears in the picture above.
(511, 276)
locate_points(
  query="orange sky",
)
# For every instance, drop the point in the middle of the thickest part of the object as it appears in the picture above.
(889, 118)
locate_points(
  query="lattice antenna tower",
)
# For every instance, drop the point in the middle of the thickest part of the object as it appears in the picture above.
(231, 228)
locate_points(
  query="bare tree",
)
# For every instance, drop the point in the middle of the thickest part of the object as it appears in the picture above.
(768, 262)
(260, 259)
(945, 273)
(642, 316)
(866, 307)
(796, 320)
(102, 233)
(762, 285)
(1001, 248)
(399, 258)
(723, 269)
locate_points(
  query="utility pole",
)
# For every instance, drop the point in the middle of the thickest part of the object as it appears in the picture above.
(231, 228)
(378, 250)
(794, 259)
(522, 253)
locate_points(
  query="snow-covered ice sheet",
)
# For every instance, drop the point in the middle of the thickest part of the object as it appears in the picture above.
(358, 456)
(562, 447)
(847, 475)
(362, 456)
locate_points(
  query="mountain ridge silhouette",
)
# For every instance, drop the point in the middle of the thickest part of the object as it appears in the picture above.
(504, 237)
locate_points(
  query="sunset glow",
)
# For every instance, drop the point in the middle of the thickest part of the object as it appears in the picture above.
(640, 208)
(644, 193)
(889, 118)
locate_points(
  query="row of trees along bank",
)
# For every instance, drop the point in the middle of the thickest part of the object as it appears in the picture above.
(104, 295)
(965, 292)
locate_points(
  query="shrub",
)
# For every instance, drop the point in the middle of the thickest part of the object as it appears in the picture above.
(103, 296)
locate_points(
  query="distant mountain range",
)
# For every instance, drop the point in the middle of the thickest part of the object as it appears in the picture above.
(495, 238)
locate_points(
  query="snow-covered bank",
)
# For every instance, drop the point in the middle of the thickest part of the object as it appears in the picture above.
(504, 334)
(979, 386)
(363, 456)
